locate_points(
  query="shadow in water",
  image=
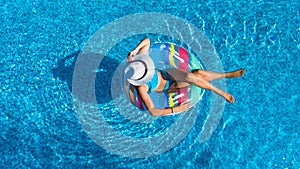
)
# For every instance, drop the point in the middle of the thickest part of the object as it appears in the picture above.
(65, 68)
(203, 158)
(104, 73)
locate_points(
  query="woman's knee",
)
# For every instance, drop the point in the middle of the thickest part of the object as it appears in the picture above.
(190, 77)
(201, 72)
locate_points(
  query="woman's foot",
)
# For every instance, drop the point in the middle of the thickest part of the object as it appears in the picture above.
(229, 98)
(236, 73)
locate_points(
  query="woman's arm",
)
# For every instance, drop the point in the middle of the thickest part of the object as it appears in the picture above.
(159, 111)
(142, 48)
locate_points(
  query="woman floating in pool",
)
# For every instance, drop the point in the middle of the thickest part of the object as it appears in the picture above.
(141, 73)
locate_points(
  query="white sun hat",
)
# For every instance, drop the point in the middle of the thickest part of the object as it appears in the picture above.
(140, 70)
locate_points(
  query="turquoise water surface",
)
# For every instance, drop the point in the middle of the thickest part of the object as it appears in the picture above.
(41, 40)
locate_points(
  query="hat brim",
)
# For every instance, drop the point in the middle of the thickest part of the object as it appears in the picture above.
(150, 70)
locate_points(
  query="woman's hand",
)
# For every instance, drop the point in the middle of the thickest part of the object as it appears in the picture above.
(183, 107)
(131, 55)
(142, 48)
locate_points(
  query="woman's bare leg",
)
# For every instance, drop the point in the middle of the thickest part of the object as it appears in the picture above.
(209, 75)
(199, 80)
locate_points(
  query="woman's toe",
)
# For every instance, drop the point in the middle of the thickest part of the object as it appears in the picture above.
(242, 72)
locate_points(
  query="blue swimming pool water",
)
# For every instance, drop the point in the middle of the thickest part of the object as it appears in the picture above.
(41, 40)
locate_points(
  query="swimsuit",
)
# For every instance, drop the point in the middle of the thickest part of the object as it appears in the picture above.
(168, 78)
(152, 84)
